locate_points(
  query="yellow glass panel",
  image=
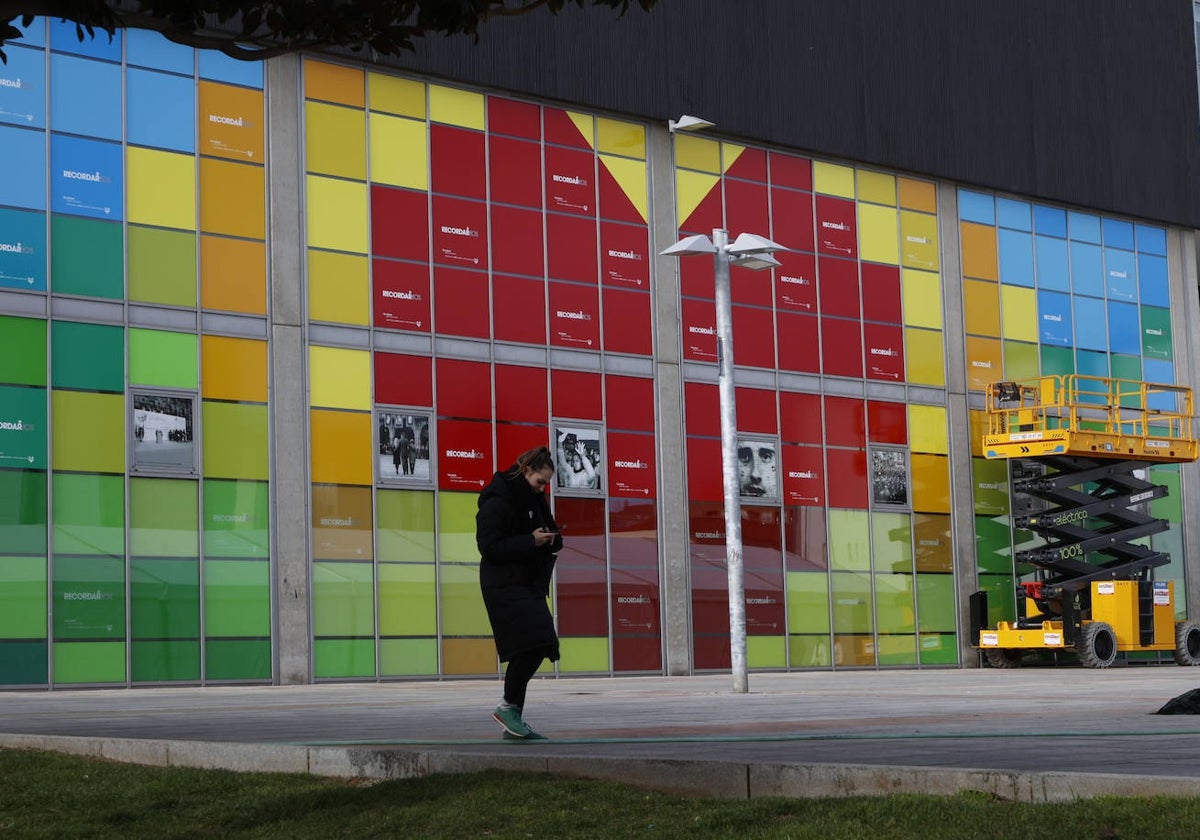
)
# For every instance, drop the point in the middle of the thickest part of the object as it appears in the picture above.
(335, 140)
(1020, 318)
(337, 214)
(896, 650)
(586, 124)
(463, 613)
(232, 198)
(407, 599)
(730, 152)
(927, 429)
(339, 288)
(339, 378)
(233, 275)
(877, 187)
(918, 240)
(631, 175)
(620, 138)
(399, 152)
(456, 107)
(832, 179)
(231, 122)
(469, 656)
(697, 153)
(981, 307)
(395, 95)
(766, 651)
(985, 361)
(917, 195)
(333, 83)
(979, 251)
(235, 441)
(878, 236)
(691, 188)
(90, 434)
(922, 292)
(160, 188)
(931, 483)
(587, 654)
(233, 369)
(341, 447)
(924, 357)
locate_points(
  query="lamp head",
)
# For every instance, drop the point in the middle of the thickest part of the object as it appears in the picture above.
(690, 246)
(688, 123)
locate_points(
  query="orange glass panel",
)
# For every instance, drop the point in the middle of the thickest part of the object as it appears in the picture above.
(232, 199)
(233, 369)
(468, 656)
(333, 83)
(231, 122)
(342, 523)
(979, 251)
(985, 362)
(917, 195)
(934, 546)
(981, 307)
(853, 650)
(233, 275)
(341, 447)
(931, 483)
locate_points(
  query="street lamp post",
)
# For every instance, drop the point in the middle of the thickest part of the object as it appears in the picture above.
(753, 252)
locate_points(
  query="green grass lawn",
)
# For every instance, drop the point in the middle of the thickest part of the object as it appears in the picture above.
(52, 795)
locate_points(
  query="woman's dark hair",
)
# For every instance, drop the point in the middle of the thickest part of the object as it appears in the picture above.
(536, 459)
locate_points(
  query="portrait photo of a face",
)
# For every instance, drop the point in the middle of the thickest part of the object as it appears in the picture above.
(758, 476)
(577, 458)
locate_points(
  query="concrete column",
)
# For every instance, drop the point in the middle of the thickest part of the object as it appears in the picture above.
(1182, 261)
(288, 377)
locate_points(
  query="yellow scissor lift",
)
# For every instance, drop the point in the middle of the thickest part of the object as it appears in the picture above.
(1081, 444)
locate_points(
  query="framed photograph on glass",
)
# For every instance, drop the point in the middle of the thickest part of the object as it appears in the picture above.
(162, 432)
(889, 477)
(757, 465)
(578, 459)
(403, 445)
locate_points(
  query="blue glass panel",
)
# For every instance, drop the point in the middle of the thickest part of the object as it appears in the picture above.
(22, 250)
(1087, 269)
(85, 97)
(1091, 317)
(144, 48)
(1013, 214)
(1053, 269)
(161, 110)
(222, 68)
(23, 87)
(1084, 227)
(1016, 258)
(64, 38)
(976, 207)
(34, 34)
(1117, 234)
(1152, 240)
(1091, 364)
(86, 177)
(1050, 221)
(1152, 280)
(1124, 328)
(24, 181)
(1120, 274)
(1054, 318)
(1156, 370)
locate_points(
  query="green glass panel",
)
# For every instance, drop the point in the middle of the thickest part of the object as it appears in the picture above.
(891, 546)
(584, 654)
(23, 511)
(894, 607)
(766, 651)
(165, 661)
(22, 351)
(22, 427)
(939, 649)
(166, 598)
(1127, 367)
(344, 658)
(89, 598)
(87, 356)
(1156, 333)
(1057, 361)
(851, 602)
(935, 603)
(809, 651)
(1002, 598)
(237, 659)
(23, 663)
(343, 599)
(87, 257)
(991, 486)
(808, 602)
(22, 597)
(462, 604)
(408, 657)
(1020, 360)
(237, 598)
(1170, 507)
(993, 548)
(89, 514)
(237, 519)
(897, 650)
(235, 441)
(97, 445)
(456, 528)
(407, 599)
(405, 521)
(849, 539)
(162, 266)
(166, 359)
(89, 662)
(163, 519)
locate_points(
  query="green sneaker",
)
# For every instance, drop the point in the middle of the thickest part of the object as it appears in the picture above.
(510, 718)
(532, 736)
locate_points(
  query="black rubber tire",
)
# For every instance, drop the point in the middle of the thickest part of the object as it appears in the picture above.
(1004, 657)
(1097, 645)
(1187, 643)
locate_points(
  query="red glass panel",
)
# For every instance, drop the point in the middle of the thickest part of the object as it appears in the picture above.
(521, 394)
(512, 440)
(746, 208)
(517, 241)
(400, 223)
(799, 342)
(571, 181)
(582, 580)
(633, 532)
(841, 347)
(765, 611)
(837, 232)
(753, 336)
(464, 389)
(403, 380)
(847, 478)
(571, 248)
(561, 129)
(796, 282)
(887, 422)
(803, 476)
(792, 214)
(751, 287)
(696, 277)
(516, 172)
(708, 215)
(520, 119)
(711, 649)
(756, 411)
(628, 327)
(637, 653)
(800, 416)
(520, 309)
(635, 601)
(631, 465)
(845, 422)
(704, 469)
(791, 171)
(699, 329)
(461, 302)
(837, 282)
(457, 161)
(574, 316)
(624, 255)
(702, 407)
(760, 537)
(464, 454)
(575, 393)
(460, 232)
(750, 164)
(614, 201)
(804, 539)
(884, 351)
(400, 295)
(629, 403)
(881, 293)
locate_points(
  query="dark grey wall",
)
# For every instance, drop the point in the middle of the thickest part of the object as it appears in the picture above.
(1089, 102)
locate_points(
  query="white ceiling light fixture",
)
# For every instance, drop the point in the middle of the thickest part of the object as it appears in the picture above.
(688, 123)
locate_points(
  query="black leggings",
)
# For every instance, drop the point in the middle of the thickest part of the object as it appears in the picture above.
(520, 671)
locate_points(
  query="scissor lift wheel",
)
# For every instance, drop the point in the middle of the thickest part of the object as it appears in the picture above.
(1187, 643)
(1097, 645)
(1004, 657)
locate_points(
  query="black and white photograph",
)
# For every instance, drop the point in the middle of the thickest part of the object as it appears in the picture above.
(578, 458)
(163, 432)
(889, 477)
(402, 446)
(757, 463)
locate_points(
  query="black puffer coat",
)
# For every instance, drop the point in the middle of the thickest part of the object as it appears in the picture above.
(514, 573)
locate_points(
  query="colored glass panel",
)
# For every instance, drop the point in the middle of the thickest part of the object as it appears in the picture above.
(849, 540)
(160, 110)
(22, 350)
(236, 519)
(89, 514)
(232, 198)
(981, 308)
(1021, 360)
(852, 613)
(88, 662)
(343, 599)
(22, 600)
(403, 380)
(1016, 257)
(931, 483)
(396, 96)
(336, 214)
(333, 83)
(24, 186)
(339, 378)
(1087, 269)
(233, 275)
(924, 357)
(1019, 307)
(985, 362)
(837, 231)
(97, 445)
(620, 138)
(335, 141)
(697, 153)
(407, 599)
(894, 604)
(408, 657)
(979, 254)
(1054, 319)
(891, 543)
(23, 512)
(932, 540)
(993, 544)
(1090, 311)
(976, 207)
(23, 427)
(235, 440)
(399, 290)
(1126, 367)
(878, 235)
(145, 48)
(237, 598)
(162, 266)
(1083, 226)
(398, 151)
(1153, 283)
(405, 526)
(1057, 361)
(343, 658)
(1120, 272)
(928, 429)
(163, 518)
(1123, 328)
(161, 189)
(1053, 264)
(168, 359)
(456, 107)
(165, 660)
(231, 122)
(215, 65)
(935, 603)
(919, 240)
(1156, 332)
(23, 87)
(86, 257)
(234, 368)
(832, 179)
(339, 451)
(22, 250)
(341, 522)
(89, 597)
(164, 599)
(237, 659)
(85, 96)
(1013, 214)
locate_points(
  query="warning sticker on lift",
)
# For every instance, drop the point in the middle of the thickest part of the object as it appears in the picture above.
(1162, 594)
(989, 639)
(1052, 638)
(1106, 587)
